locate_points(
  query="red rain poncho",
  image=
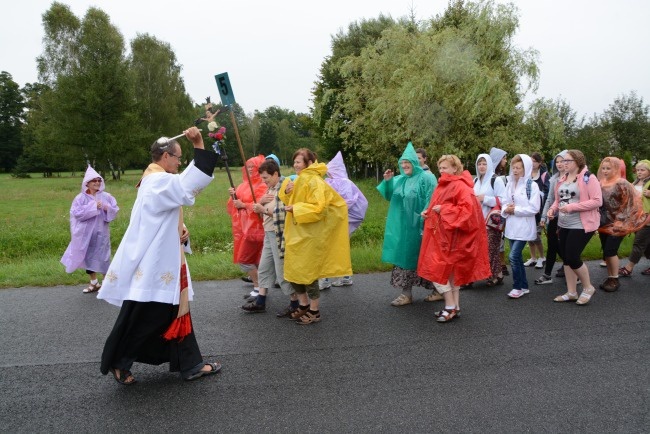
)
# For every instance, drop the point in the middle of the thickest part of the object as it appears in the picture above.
(454, 240)
(247, 227)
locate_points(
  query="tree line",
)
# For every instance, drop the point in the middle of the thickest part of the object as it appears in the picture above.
(96, 104)
(453, 83)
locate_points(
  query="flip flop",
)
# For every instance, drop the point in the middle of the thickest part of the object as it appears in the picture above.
(215, 368)
(123, 377)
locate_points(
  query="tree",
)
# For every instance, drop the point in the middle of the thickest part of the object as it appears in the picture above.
(452, 85)
(549, 126)
(11, 121)
(627, 120)
(91, 105)
(329, 112)
(163, 105)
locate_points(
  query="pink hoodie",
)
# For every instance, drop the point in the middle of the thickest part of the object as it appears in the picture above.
(591, 198)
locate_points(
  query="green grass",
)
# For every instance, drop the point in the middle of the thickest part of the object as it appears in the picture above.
(35, 230)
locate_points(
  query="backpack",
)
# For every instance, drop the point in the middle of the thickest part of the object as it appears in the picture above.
(494, 177)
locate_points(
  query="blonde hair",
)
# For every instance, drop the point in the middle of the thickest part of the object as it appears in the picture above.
(454, 161)
(644, 164)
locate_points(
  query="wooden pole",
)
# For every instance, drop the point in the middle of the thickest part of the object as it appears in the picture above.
(241, 152)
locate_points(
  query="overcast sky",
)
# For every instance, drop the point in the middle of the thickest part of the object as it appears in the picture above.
(590, 52)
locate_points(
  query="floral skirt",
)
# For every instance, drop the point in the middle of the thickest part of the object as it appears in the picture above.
(406, 279)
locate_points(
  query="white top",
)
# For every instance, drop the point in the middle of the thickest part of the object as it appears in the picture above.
(146, 266)
(521, 225)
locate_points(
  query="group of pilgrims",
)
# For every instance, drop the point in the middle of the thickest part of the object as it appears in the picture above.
(442, 233)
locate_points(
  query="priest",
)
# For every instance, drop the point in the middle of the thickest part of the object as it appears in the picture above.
(149, 278)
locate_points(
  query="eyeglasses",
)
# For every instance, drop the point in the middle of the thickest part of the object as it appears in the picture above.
(95, 180)
(177, 156)
(568, 161)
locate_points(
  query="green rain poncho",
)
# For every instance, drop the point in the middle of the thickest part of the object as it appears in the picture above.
(408, 196)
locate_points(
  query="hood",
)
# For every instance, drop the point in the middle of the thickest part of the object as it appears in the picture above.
(274, 158)
(490, 165)
(336, 167)
(91, 174)
(497, 155)
(562, 154)
(528, 166)
(255, 176)
(618, 169)
(410, 155)
(316, 169)
(465, 177)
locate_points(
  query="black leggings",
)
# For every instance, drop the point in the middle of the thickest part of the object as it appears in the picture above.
(552, 246)
(572, 243)
(610, 244)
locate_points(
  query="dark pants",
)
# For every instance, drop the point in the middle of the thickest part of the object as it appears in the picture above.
(552, 246)
(610, 244)
(137, 337)
(572, 243)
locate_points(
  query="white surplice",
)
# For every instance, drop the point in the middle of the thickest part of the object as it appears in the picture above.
(146, 266)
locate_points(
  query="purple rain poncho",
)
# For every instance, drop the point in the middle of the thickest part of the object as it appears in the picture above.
(90, 246)
(354, 198)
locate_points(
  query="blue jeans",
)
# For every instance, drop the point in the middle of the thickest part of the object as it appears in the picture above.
(517, 264)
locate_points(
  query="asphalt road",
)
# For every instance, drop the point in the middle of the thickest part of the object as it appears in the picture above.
(527, 365)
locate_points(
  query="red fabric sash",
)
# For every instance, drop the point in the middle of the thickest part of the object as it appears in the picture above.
(182, 325)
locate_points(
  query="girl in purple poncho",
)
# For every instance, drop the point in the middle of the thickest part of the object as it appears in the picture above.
(337, 177)
(90, 213)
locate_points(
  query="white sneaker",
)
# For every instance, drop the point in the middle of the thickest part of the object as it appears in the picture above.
(324, 284)
(517, 293)
(540, 263)
(343, 281)
(530, 262)
(603, 264)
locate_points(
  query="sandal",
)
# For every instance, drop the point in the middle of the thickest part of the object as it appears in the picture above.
(623, 271)
(585, 296)
(434, 296)
(92, 288)
(446, 315)
(215, 368)
(401, 300)
(645, 272)
(439, 312)
(566, 297)
(308, 318)
(493, 281)
(124, 378)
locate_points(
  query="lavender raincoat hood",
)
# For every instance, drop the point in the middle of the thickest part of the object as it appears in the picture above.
(90, 245)
(354, 198)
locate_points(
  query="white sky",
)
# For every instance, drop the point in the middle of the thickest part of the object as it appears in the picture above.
(591, 51)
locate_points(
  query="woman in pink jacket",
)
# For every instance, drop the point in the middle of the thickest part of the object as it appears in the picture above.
(577, 198)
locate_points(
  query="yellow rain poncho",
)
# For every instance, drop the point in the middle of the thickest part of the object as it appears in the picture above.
(317, 244)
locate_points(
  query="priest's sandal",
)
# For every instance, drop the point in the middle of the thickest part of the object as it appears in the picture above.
(92, 288)
(214, 369)
(124, 377)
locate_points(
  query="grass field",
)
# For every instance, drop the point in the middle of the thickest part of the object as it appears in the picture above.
(35, 229)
